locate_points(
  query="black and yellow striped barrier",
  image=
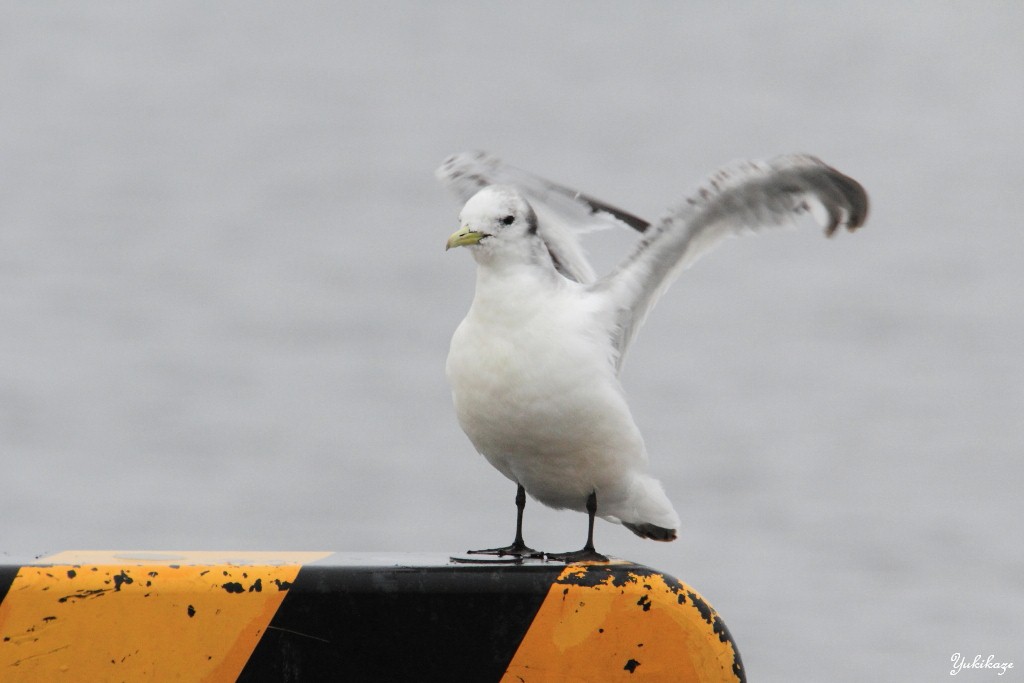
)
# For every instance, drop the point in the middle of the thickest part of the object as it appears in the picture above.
(208, 616)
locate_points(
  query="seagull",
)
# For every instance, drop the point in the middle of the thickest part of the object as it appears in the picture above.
(534, 366)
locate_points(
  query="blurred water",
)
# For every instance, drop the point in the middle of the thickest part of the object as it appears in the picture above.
(225, 303)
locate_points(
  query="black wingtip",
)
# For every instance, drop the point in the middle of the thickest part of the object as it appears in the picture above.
(596, 205)
(855, 203)
(651, 531)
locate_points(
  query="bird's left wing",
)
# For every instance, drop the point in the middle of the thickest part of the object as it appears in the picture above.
(744, 198)
(563, 214)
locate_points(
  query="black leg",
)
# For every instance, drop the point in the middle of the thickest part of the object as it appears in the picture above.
(520, 506)
(588, 553)
(518, 547)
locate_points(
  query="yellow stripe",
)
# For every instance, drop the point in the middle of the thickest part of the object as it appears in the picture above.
(636, 629)
(99, 616)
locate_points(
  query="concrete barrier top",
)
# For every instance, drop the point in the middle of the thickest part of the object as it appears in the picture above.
(321, 616)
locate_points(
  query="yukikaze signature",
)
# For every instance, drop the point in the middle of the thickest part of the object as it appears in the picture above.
(960, 663)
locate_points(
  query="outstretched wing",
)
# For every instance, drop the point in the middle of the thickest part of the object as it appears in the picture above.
(562, 213)
(744, 198)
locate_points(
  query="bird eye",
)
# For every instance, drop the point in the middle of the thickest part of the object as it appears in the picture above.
(508, 220)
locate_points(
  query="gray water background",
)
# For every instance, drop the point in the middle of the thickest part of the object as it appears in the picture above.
(225, 303)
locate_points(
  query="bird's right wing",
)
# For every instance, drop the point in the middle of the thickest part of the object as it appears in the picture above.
(563, 214)
(744, 198)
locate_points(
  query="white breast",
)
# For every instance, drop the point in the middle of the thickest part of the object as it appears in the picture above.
(535, 390)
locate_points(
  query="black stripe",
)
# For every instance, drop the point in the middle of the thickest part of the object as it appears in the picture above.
(445, 623)
(8, 572)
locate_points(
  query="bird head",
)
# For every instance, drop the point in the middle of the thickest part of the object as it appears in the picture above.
(496, 218)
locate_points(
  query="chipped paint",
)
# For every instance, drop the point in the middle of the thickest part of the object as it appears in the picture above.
(159, 621)
(608, 623)
(254, 616)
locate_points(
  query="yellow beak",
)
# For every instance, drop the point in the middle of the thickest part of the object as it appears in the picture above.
(462, 238)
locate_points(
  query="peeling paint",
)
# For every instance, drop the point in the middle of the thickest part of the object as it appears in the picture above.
(79, 616)
(62, 618)
(681, 637)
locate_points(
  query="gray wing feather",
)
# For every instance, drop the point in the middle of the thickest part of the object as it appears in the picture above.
(744, 198)
(563, 213)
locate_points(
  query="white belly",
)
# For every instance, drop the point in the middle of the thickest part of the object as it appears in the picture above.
(540, 400)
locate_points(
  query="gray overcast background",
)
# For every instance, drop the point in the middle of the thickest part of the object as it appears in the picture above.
(225, 303)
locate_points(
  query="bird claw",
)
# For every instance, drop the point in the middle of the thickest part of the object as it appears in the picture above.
(584, 555)
(514, 550)
(517, 553)
(510, 559)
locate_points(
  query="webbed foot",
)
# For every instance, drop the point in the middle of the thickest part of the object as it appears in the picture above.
(583, 555)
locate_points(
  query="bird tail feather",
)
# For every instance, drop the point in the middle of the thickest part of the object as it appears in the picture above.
(651, 531)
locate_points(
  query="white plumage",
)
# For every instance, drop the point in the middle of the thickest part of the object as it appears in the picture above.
(534, 365)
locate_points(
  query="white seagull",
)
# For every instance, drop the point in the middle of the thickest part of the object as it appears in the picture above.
(534, 365)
